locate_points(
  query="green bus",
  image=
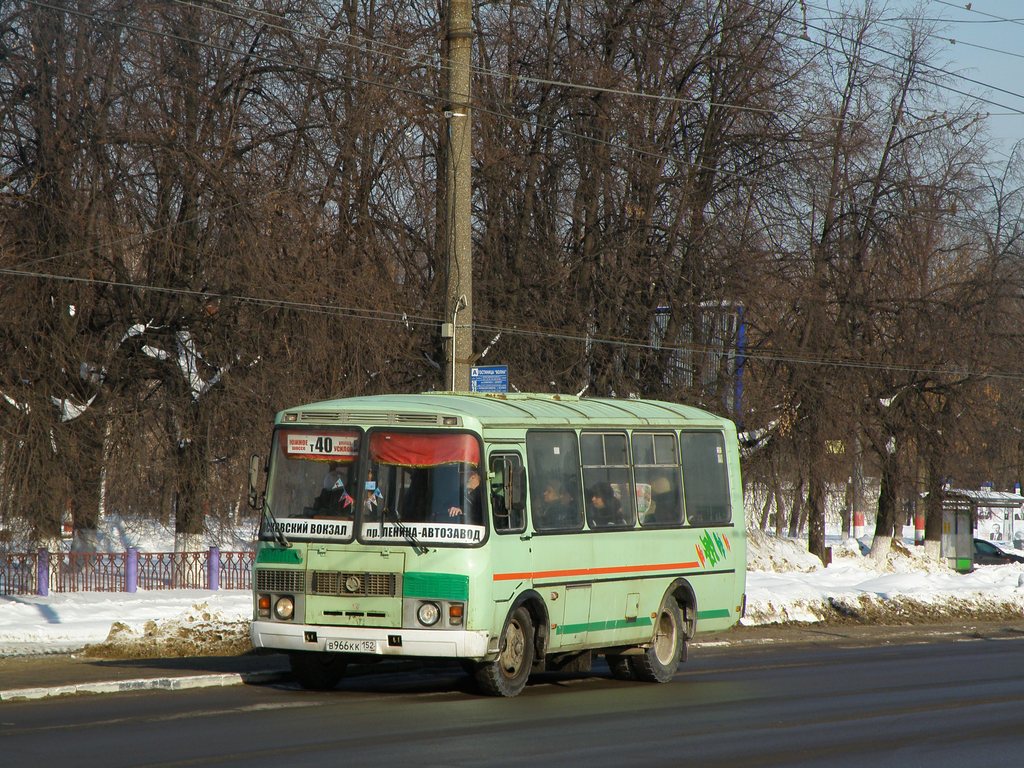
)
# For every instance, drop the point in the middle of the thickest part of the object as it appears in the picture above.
(516, 533)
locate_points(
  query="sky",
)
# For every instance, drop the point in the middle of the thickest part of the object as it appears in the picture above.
(989, 49)
(784, 583)
(982, 41)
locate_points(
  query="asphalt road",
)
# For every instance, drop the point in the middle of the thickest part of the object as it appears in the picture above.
(837, 697)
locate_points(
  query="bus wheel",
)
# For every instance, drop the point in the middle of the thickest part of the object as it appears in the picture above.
(659, 662)
(507, 675)
(317, 671)
(619, 666)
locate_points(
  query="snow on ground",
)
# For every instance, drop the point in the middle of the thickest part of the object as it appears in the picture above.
(181, 621)
(787, 584)
(784, 584)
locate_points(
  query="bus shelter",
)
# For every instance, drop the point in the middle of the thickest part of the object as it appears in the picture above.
(992, 515)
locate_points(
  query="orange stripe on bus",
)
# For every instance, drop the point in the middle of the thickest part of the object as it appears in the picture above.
(594, 571)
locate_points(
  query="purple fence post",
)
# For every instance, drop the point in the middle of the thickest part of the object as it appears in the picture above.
(131, 570)
(43, 573)
(213, 568)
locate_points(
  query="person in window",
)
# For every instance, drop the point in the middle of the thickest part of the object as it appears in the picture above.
(471, 515)
(664, 502)
(605, 509)
(558, 509)
(334, 500)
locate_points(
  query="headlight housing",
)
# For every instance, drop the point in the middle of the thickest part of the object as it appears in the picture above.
(284, 608)
(428, 614)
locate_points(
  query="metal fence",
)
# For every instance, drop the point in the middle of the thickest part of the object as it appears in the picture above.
(42, 572)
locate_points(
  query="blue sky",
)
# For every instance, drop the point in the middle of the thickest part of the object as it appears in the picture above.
(980, 41)
(989, 49)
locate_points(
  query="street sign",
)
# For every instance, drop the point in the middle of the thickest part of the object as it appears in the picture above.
(488, 378)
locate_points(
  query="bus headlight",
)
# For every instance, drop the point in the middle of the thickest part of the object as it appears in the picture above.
(428, 614)
(284, 608)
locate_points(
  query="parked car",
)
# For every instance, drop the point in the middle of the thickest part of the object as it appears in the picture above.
(987, 553)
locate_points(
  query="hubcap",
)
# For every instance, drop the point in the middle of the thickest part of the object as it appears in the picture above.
(665, 640)
(515, 647)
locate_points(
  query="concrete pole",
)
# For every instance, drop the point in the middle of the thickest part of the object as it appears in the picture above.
(458, 235)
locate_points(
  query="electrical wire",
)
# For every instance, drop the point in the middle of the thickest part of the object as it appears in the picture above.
(349, 311)
(409, 319)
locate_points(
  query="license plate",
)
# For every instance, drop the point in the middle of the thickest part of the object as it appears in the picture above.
(352, 646)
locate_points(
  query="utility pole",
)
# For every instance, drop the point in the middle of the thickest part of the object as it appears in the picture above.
(458, 321)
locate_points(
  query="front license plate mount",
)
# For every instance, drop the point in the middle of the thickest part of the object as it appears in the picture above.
(351, 646)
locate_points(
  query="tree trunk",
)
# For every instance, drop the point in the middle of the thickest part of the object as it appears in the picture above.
(796, 511)
(885, 521)
(816, 517)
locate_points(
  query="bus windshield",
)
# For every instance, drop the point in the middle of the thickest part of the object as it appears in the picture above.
(313, 484)
(404, 488)
(423, 486)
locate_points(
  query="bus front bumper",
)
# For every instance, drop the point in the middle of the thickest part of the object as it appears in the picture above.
(447, 643)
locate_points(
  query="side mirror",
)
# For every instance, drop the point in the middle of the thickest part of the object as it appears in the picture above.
(254, 478)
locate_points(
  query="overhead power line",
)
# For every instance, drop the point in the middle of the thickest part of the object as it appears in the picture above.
(408, 319)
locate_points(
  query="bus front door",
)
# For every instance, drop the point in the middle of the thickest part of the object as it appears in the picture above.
(509, 543)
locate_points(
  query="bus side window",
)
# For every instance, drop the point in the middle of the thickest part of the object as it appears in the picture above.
(705, 478)
(607, 478)
(505, 486)
(656, 467)
(556, 501)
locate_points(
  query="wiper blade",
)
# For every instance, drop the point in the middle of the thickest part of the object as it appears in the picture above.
(407, 533)
(275, 527)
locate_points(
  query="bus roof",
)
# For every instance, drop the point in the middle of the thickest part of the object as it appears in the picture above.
(491, 409)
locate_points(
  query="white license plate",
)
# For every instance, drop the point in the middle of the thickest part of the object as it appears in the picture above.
(352, 646)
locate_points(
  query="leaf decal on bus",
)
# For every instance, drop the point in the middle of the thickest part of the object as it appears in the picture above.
(713, 548)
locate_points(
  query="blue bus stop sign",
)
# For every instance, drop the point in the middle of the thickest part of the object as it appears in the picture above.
(488, 378)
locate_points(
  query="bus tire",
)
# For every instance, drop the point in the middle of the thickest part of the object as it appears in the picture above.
(507, 674)
(317, 671)
(619, 666)
(660, 660)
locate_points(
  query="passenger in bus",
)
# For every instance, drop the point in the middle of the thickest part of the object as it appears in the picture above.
(664, 507)
(333, 479)
(334, 500)
(605, 509)
(472, 514)
(558, 509)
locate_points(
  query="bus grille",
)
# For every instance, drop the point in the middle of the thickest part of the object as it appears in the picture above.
(272, 580)
(357, 584)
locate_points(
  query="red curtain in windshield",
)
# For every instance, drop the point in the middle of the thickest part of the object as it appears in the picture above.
(408, 449)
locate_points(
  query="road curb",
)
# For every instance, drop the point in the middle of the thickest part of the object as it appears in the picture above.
(144, 684)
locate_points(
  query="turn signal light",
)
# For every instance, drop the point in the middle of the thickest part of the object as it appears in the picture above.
(455, 614)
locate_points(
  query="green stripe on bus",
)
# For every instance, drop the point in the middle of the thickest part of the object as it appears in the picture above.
(720, 613)
(289, 556)
(597, 626)
(439, 586)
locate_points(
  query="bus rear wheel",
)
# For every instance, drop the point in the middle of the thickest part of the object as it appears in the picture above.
(660, 660)
(619, 666)
(507, 674)
(317, 671)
